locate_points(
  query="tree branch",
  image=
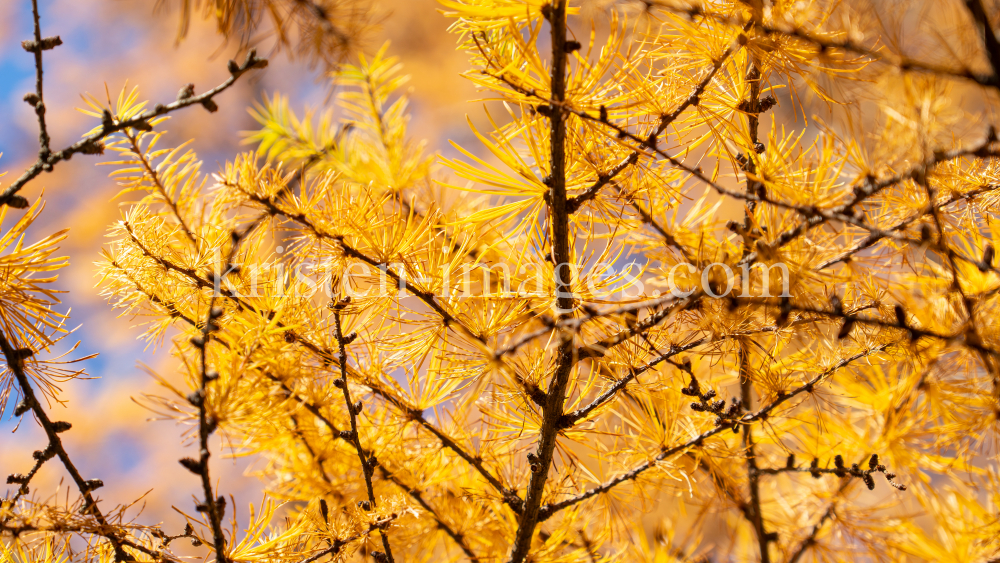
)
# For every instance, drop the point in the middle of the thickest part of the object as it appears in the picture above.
(214, 507)
(561, 257)
(571, 418)
(457, 537)
(874, 237)
(987, 34)
(825, 45)
(550, 509)
(36, 47)
(815, 216)
(91, 144)
(510, 497)
(754, 512)
(52, 429)
(368, 463)
(900, 324)
(339, 544)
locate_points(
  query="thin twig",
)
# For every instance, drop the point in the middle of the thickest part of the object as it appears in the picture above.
(810, 538)
(339, 544)
(154, 175)
(213, 506)
(826, 45)
(873, 238)
(986, 32)
(754, 512)
(415, 494)
(91, 143)
(913, 331)
(36, 47)
(368, 462)
(86, 487)
(571, 418)
(510, 497)
(550, 509)
(24, 481)
(814, 215)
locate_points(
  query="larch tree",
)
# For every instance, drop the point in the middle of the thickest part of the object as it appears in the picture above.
(658, 285)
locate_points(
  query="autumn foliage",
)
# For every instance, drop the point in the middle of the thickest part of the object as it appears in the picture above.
(659, 313)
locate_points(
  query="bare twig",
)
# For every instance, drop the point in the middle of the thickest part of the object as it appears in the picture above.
(91, 144)
(874, 237)
(36, 47)
(213, 506)
(986, 32)
(416, 495)
(573, 417)
(154, 176)
(753, 512)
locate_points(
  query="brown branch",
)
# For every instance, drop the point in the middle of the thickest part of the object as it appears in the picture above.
(83, 529)
(872, 187)
(571, 418)
(325, 22)
(753, 512)
(305, 442)
(91, 144)
(577, 322)
(449, 320)
(600, 348)
(561, 257)
(825, 45)
(36, 47)
(427, 297)
(339, 544)
(815, 216)
(647, 218)
(40, 456)
(342, 435)
(548, 510)
(212, 506)
(913, 331)
(967, 302)
(574, 203)
(338, 434)
(52, 430)
(810, 538)
(368, 462)
(872, 238)
(986, 32)
(509, 496)
(457, 537)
